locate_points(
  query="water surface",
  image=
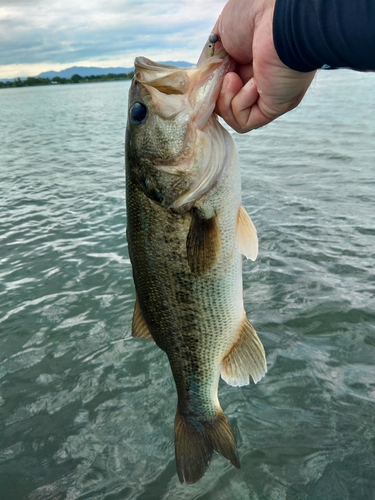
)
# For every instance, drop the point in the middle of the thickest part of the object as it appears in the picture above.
(86, 412)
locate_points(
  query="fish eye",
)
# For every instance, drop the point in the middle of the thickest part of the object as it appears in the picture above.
(138, 113)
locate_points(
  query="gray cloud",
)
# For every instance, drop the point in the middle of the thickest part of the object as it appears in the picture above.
(51, 31)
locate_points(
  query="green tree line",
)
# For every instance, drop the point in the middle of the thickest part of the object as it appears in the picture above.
(32, 81)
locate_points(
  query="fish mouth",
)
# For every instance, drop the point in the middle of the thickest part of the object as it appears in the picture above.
(200, 84)
(163, 77)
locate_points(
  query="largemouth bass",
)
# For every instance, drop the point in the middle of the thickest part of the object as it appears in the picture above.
(186, 231)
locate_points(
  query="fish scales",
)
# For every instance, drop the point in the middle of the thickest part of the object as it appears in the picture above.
(186, 229)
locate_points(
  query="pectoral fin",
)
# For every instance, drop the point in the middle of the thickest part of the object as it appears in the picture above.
(203, 244)
(246, 358)
(246, 235)
(139, 328)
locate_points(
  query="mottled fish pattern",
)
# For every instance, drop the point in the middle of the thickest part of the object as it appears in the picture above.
(186, 231)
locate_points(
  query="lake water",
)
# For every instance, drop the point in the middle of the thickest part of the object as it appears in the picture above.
(87, 412)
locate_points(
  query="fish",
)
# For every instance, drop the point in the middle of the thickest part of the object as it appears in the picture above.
(187, 231)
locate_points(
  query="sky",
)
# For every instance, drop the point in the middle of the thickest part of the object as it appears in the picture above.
(43, 35)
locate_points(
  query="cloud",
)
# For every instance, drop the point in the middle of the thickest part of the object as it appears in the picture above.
(51, 33)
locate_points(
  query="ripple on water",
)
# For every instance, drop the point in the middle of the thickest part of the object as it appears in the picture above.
(87, 411)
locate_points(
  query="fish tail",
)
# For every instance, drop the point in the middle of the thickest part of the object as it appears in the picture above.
(195, 442)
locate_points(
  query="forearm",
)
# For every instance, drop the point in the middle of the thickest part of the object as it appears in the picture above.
(339, 33)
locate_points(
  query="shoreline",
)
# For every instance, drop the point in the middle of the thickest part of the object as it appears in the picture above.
(75, 79)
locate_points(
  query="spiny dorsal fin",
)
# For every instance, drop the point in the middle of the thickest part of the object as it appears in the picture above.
(139, 328)
(203, 244)
(246, 235)
(246, 358)
(195, 442)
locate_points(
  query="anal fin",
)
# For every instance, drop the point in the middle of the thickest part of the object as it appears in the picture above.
(247, 238)
(139, 328)
(246, 358)
(203, 243)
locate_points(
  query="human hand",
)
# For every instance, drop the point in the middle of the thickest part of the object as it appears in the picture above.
(262, 88)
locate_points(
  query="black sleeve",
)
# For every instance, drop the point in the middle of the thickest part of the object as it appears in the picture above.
(309, 34)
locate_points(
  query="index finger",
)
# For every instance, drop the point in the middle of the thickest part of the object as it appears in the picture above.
(238, 104)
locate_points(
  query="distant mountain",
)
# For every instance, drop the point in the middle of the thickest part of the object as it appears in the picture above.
(93, 70)
(83, 71)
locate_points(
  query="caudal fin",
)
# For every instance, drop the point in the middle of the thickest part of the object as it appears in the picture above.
(195, 442)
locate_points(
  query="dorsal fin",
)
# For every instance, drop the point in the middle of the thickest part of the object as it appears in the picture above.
(246, 358)
(203, 243)
(139, 328)
(247, 238)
